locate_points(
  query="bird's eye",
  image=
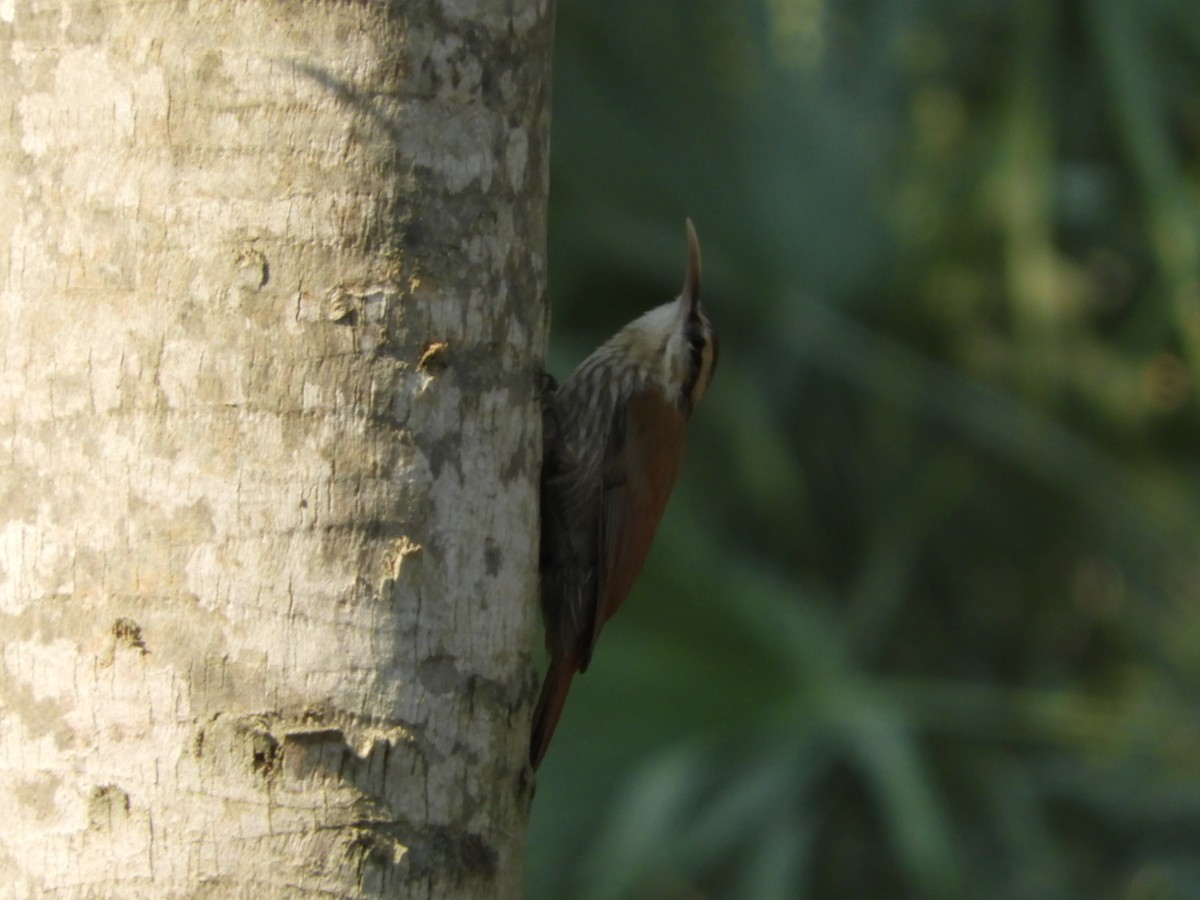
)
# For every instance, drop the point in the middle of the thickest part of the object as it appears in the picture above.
(696, 341)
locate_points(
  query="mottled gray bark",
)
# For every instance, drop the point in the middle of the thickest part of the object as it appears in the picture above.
(271, 309)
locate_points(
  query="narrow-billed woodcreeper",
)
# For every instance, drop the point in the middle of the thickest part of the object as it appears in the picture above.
(614, 442)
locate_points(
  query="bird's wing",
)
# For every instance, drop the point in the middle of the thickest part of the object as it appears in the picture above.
(645, 458)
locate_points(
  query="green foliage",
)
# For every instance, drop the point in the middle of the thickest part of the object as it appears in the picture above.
(923, 619)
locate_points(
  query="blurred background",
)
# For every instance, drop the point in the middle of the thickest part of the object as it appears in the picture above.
(923, 618)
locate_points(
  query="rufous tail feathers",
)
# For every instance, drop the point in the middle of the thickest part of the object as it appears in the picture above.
(549, 707)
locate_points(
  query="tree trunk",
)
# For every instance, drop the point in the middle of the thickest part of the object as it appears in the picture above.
(271, 312)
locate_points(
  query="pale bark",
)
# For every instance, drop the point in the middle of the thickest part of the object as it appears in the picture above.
(271, 311)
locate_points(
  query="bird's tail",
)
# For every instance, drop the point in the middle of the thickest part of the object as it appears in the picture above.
(549, 707)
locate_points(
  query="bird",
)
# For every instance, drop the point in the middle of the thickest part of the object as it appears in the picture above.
(613, 442)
